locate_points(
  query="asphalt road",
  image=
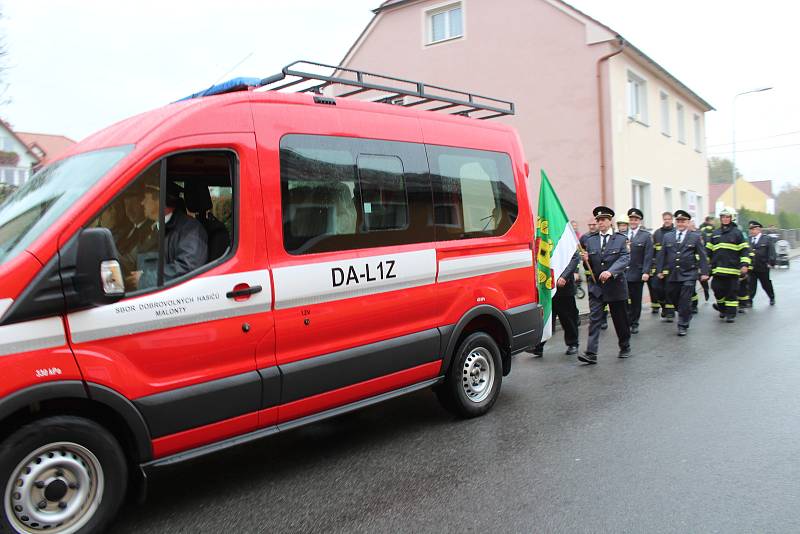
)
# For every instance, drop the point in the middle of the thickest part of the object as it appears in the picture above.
(695, 434)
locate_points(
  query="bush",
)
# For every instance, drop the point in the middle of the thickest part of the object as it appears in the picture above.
(782, 220)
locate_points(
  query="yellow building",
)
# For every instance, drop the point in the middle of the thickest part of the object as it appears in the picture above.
(754, 196)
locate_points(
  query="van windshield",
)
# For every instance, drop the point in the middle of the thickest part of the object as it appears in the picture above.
(40, 201)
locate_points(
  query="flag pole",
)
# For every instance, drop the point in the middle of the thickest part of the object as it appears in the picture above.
(586, 264)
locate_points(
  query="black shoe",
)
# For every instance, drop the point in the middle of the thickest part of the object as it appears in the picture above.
(654, 310)
(730, 319)
(670, 318)
(587, 357)
(624, 353)
(681, 331)
(663, 313)
(634, 329)
(741, 310)
(722, 315)
(772, 301)
(604, 326)
(694, 310)
(716, 307)
(537, 353)
(572, 350)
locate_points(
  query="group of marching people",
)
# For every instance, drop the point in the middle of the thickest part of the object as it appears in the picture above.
(671, 261)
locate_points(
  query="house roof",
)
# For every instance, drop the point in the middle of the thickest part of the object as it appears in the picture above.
(765, 186)
(626, 44)
(715, 191)
(16, 136)
(52, 145)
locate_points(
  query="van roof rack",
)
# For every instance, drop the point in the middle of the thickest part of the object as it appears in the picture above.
(340, 82)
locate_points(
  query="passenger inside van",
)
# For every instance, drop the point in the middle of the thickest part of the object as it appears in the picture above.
(185, 239)
(198, 203)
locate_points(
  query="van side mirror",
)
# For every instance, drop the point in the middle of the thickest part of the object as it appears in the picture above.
(98, 273)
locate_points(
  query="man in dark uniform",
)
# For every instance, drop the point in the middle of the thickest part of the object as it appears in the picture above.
(677, 263)
(564, 308)
(641, 246)
(706, 230)
(606, 254)
(764, 258)
(592, 226)
(656, 286)
(729, 260)
(185, 239)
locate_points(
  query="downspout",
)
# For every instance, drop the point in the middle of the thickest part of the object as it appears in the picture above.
(600, 118)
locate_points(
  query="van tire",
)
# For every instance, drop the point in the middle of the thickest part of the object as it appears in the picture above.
(472, 383)
(72, 466)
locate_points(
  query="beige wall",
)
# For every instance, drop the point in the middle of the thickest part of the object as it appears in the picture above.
(747, 196)
(643, 152)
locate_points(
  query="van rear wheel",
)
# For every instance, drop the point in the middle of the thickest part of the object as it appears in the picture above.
(61, 475)
(473, 381)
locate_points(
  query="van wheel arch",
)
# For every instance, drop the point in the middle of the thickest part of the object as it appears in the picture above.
(102, 405)
(484, 318)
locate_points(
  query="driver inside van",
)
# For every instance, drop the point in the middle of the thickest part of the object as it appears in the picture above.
(185, 239)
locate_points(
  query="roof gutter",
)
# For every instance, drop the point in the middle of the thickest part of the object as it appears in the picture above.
(600, 113)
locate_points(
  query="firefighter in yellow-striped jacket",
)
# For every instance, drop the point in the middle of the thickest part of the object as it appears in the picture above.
(730, 259)
(744, 281)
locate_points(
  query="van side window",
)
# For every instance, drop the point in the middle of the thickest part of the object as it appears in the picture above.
(341, 193)
(192, 195)
(383, 192)
(474, 192)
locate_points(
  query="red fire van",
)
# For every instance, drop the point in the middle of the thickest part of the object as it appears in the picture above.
(257, 257)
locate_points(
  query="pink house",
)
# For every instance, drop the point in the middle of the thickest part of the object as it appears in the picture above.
(607, 123)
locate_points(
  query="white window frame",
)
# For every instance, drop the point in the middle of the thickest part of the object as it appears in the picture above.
(437, 10)
(663, 98)
(643, 200)
(698, 133)
(637, 97)
(680, 112)
(684, 199)
(667, 199)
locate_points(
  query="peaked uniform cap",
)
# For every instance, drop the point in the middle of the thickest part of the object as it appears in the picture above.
(603, 211)
(635, 212)
(682, 214)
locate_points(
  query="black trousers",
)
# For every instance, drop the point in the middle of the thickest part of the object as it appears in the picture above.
(744, 292)
(657, 292)
(635, 290)
(766, 283)
(619, 315)
(726, 291)
(567, 312)
(680, 294)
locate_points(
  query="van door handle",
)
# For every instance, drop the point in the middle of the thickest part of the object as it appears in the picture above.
(239, 291)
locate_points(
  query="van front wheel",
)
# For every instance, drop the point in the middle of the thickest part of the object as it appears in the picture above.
(62, 475)
(472, 384)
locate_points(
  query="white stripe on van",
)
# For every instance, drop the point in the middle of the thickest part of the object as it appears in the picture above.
(196, 301)
(480, 264)
(5, 304)
(32, 335)
(314, 283)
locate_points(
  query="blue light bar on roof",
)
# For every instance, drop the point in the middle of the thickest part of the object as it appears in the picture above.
(236, 84)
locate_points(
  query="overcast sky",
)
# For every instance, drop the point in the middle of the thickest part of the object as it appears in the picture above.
(75, 66)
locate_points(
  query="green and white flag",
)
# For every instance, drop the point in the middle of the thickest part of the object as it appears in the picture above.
(556, 243)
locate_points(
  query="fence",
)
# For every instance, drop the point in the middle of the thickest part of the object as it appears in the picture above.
(791, 235)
